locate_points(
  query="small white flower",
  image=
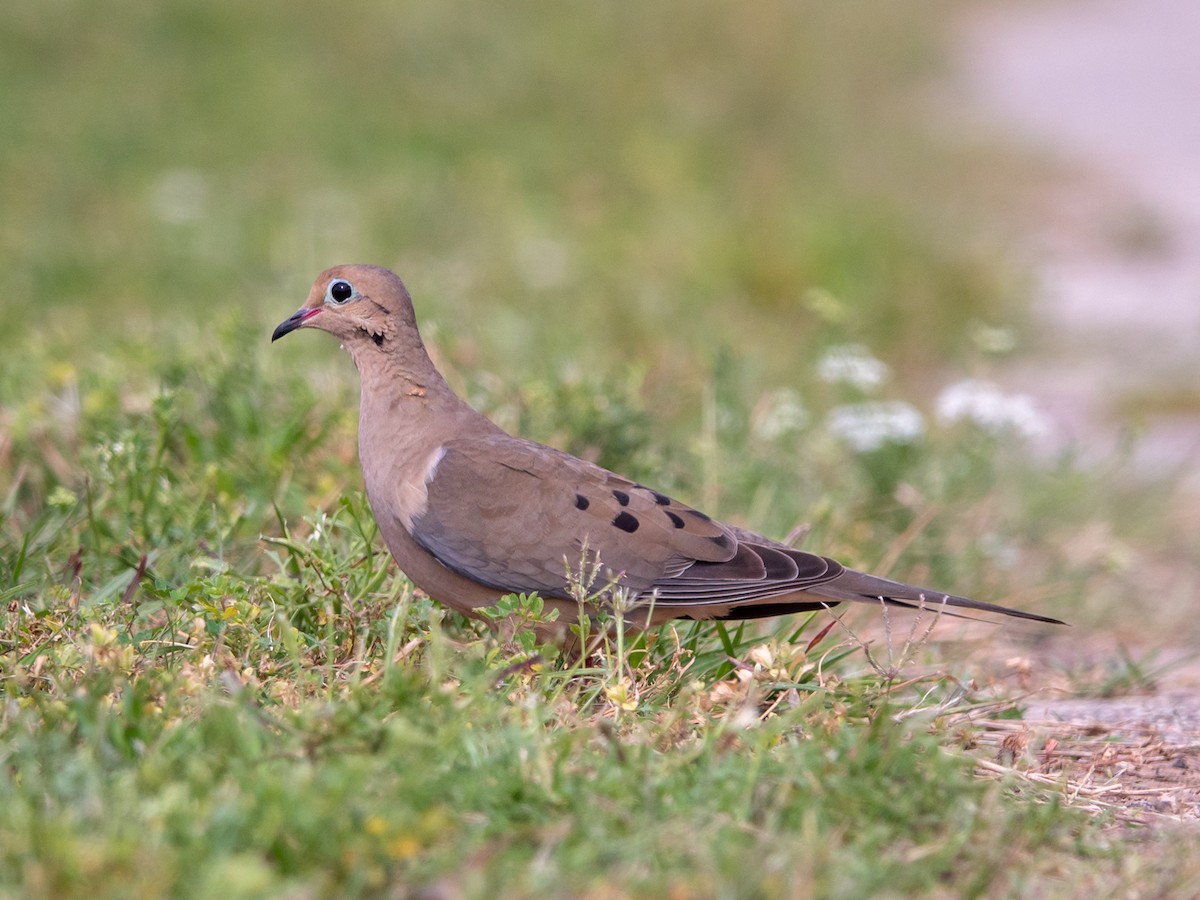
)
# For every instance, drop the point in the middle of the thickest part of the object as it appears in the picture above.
(851, 364)
(778, 413)
(868, 426)
(761, 655)
(985, 405)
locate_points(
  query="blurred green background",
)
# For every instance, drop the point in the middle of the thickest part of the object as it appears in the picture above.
(626, 228)
(610, 183)
(631, 230)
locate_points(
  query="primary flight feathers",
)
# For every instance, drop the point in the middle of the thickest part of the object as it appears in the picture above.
(471, 513)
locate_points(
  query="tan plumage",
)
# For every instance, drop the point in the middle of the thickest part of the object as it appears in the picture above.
(471, 513)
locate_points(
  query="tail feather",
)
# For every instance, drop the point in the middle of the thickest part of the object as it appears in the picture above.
(859, 587)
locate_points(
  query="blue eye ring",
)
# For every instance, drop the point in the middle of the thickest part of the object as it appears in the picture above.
(339, 291)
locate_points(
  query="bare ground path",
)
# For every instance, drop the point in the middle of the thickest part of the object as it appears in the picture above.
(1109, 92)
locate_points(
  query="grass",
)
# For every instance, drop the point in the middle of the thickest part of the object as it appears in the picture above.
(632, 232)
(427, 773)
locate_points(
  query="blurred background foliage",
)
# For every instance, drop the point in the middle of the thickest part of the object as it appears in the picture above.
(603, 184)
(630, 230)
(637, 231)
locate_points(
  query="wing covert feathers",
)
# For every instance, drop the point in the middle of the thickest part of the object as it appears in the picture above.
(522, 517)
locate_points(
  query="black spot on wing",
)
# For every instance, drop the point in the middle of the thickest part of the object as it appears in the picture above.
(660, 499)
(722, 540)
(626, 522)
(675, 520)
(581, 502)
(622, 497)
(699, 515)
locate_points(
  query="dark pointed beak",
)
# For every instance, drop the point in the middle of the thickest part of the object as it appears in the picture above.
(293, 322)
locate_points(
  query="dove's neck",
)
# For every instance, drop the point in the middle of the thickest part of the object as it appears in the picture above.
(407, 414)
(409, 399)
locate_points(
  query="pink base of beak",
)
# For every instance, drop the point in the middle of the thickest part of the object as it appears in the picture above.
(298, 318)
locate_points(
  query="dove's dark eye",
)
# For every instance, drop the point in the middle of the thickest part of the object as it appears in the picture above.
(339, 291)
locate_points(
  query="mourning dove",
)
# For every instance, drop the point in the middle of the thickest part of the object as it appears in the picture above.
(471, 513)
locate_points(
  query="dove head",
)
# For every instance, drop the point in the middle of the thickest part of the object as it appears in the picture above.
(366, 307)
